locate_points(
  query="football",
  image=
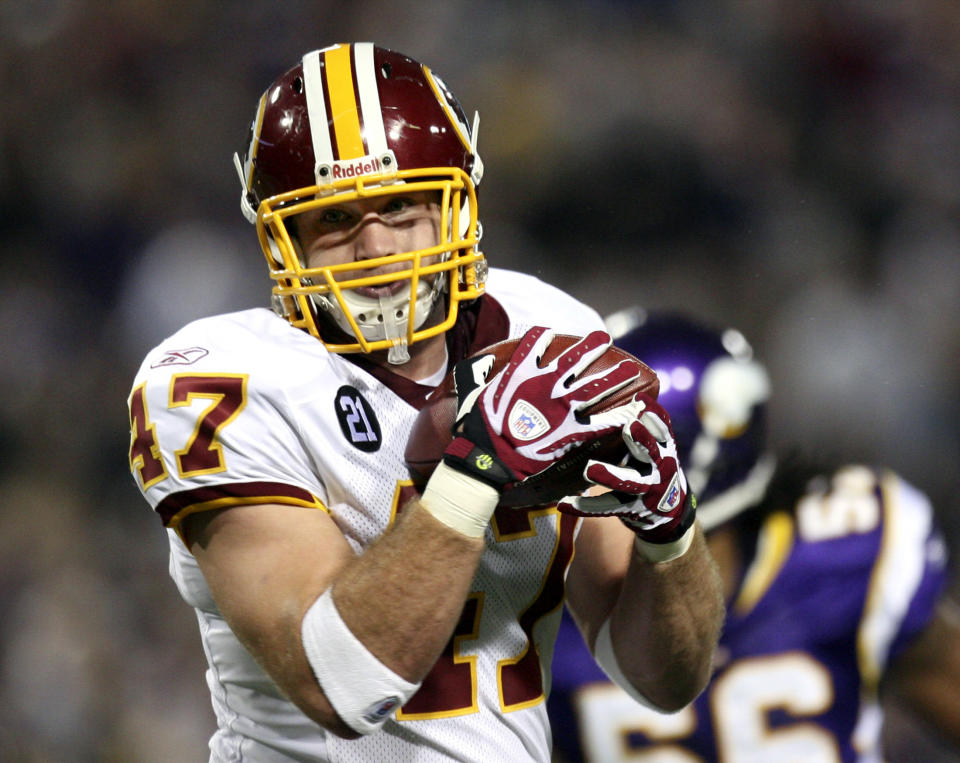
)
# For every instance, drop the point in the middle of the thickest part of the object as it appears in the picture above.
(431, 431)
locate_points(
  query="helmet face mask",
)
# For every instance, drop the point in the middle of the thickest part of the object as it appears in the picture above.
(357, 124)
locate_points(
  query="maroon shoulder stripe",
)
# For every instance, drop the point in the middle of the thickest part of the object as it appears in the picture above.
(174, 507)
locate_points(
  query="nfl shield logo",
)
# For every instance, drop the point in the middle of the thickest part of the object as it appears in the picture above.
(525, 422)
(671, 498)
(673, 495)
(523, 426)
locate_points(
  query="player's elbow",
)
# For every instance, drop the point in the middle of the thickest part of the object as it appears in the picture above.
(338, 728)
(318, 709)
(679, 682)
(671, 696)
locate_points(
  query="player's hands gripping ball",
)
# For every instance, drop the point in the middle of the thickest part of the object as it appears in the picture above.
(649, 493)
(526, 417)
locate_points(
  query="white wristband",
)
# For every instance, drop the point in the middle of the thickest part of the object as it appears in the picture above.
(665, 552)
(362, 690)
(459, 501)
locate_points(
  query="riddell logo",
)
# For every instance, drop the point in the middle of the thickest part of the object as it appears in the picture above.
(352, 168)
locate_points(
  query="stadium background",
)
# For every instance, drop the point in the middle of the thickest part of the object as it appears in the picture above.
(789, 168)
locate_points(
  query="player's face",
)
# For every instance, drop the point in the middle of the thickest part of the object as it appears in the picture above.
(365, 229)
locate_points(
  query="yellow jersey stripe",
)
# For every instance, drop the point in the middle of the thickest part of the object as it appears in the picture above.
(773, 548)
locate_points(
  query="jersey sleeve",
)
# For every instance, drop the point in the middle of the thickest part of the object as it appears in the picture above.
(211, 427)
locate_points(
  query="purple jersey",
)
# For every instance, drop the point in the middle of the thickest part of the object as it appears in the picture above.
(834, 591)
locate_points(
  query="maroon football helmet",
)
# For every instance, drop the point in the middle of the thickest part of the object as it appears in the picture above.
(355, 121)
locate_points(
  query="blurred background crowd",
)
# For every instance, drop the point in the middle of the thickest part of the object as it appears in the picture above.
(790, 168)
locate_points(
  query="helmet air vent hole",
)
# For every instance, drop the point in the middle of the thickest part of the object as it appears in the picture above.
(386, 71)
(298, 85)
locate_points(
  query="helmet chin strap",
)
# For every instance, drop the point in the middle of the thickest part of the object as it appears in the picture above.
(395, 330)
(384, 316)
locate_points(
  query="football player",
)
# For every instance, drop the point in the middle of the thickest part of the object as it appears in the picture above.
(346, 614)
(832, 581)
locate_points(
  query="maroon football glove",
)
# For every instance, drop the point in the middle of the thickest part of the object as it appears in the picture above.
(526, 417)
(649, 493)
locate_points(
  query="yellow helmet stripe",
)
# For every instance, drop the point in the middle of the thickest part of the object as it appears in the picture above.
(459, 127)
(255, 142)
(342, 97)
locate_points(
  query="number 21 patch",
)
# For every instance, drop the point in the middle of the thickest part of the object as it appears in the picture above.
(357, 420)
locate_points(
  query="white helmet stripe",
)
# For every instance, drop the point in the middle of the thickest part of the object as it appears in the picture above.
(365, 70)
(316, 107)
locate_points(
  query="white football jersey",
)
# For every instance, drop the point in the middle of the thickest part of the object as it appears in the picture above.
(245, 409)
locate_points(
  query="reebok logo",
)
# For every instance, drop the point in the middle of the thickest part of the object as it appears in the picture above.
(183, 357)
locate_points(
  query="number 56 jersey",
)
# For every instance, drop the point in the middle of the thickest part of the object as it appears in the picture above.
(244, 409)
(836, 589)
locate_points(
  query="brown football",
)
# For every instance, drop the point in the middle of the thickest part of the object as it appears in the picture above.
(431, 431)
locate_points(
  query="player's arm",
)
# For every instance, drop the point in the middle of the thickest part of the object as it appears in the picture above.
(925, 677)
(663, 618)
(267, 567)
(643, 587)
